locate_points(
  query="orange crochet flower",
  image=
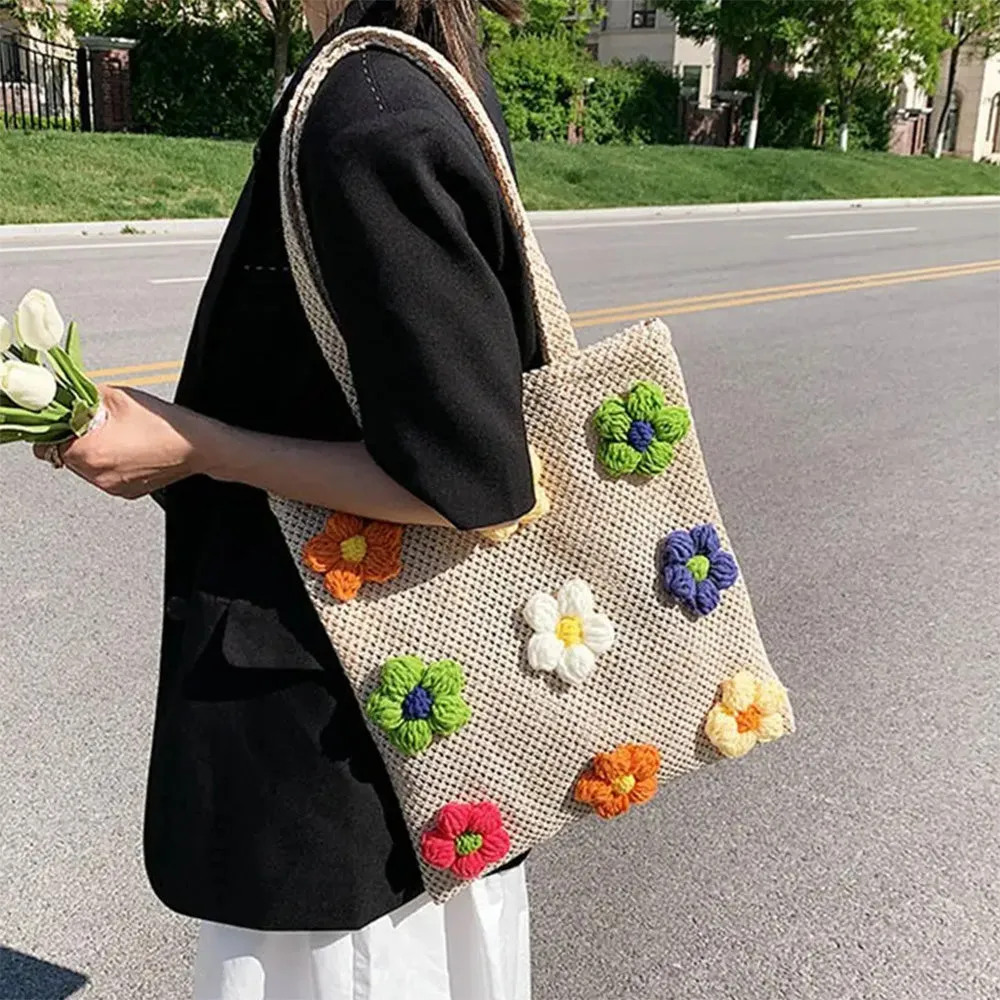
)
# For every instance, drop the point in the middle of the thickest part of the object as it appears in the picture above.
(351, 551)
(617, 780)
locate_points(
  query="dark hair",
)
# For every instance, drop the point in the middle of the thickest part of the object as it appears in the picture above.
(452, 27)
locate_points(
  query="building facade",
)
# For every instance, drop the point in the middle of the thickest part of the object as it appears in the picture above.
(972, 126)
(972, 120)
(635, 29)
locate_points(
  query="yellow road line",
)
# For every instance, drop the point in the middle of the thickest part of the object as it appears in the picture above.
(826, 283)
(627, 314)
(131, 369)
(146, 380)
(667, 307)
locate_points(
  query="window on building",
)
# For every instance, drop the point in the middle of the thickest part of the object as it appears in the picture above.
(643, 14)
(691, 82)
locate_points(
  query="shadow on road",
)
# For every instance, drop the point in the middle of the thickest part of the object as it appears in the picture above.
(23, 977)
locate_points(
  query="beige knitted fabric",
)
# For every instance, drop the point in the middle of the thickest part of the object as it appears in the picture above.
(531, 735)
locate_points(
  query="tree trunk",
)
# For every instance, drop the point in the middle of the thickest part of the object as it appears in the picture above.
(945, 114)
(819, 127)
(758, 93)
(282, 39)
(842, 141)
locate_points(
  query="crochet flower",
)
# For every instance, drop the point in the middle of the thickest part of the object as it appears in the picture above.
(749, 712)
(569, 635)
(620, 779)
(415, 702)
(466, 839)
(696, 568)
(351, 551)
(542, 505)
(639, 434)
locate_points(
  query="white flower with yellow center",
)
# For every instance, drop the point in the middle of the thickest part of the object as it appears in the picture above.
(569, 635)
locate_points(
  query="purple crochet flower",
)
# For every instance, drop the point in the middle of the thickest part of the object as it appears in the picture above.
(696, 568)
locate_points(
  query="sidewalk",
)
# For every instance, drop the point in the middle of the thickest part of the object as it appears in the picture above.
(544, 220)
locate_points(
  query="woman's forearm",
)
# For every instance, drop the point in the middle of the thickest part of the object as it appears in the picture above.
(146, 444)
(340, 476)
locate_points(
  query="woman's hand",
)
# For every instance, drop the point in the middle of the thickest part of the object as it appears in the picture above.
(144, 444)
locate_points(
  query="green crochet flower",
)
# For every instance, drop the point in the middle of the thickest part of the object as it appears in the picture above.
(639, 434)
(414, 702)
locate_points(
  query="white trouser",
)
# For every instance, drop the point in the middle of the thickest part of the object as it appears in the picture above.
(475, 947)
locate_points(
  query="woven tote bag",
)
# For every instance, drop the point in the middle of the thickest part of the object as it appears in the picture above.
(513, 688)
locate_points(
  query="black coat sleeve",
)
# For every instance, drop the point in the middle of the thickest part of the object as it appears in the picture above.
(407, 223)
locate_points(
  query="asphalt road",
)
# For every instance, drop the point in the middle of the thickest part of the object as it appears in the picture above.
(851, 430)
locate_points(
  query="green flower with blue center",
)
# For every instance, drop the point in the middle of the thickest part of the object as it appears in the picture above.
(638, 433)
(415, 701)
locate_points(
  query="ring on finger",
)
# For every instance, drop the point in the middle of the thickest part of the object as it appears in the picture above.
(54, 457)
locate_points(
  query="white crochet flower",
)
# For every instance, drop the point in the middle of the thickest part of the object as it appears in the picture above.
(569, 636)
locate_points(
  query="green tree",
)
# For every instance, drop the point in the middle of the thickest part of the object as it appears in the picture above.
(573, 19)
(765, 31)
(975, 22)
(283, 18)
(83, 18)
(872, 43)
(44, 15)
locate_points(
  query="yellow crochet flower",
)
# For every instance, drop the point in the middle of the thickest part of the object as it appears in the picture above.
(749, 712)
(542, 505)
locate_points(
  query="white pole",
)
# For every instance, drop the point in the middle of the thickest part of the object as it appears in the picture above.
(843, 137)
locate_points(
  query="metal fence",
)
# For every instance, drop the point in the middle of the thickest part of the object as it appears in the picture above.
(44, 85)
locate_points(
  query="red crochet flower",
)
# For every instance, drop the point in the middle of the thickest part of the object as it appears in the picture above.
(466, 839)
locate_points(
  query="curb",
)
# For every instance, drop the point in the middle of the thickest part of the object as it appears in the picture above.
(599, 216)
(135, 227)
(734, 210)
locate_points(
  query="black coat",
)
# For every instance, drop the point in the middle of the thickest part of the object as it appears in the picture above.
(268, 806)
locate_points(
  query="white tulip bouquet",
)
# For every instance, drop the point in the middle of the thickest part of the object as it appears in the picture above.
(45, 397)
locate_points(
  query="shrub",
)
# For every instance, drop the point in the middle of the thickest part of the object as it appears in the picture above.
(871, 119)
(637, 103)
(200, 68)
(537, 79)
(788, 112)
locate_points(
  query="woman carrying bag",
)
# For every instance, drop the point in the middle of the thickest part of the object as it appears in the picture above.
(270, 815)
(584, 635)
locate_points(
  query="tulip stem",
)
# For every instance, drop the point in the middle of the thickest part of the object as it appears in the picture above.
(72, 345)
(36, 434)
(78, 382)
(52, 414)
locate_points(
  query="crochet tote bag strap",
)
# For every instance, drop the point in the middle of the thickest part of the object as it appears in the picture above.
(555, 330)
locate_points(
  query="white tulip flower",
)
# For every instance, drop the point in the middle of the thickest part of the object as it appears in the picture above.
(29, 386)
(6, 335)
(37, 323)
